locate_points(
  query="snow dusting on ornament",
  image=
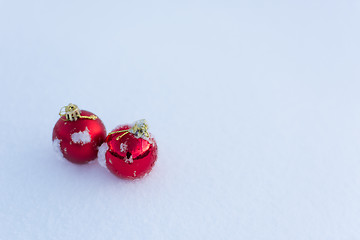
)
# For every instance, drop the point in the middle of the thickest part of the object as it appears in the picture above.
(123, 147)
(81, 137)
(129, 159)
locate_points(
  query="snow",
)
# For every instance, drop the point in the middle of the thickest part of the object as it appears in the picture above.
(101, 155)
(129, 160)
(57, 149)
(82, 137)
(123, 147)
(254, 106)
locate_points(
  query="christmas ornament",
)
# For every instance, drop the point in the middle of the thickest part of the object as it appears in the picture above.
(131, 151)
(78, 134)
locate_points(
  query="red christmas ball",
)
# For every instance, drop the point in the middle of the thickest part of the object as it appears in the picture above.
(132, 151)
(78, 134)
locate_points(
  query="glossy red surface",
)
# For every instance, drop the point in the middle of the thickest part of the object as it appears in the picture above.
(130, 157)
(79, 152)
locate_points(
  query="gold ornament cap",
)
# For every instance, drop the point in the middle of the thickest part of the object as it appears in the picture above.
(140, 129)
(73, 113)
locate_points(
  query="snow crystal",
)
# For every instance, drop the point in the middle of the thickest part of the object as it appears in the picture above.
(123, 147)
(150, 139)
(81, 137)
(101, 154)
(129, 160)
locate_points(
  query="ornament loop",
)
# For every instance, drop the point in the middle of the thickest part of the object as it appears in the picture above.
(72, 113)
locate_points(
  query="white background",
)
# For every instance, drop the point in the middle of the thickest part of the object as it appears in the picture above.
(254, 105)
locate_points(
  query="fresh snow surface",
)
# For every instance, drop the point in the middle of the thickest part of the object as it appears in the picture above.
(254, 106)
(81, 137)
